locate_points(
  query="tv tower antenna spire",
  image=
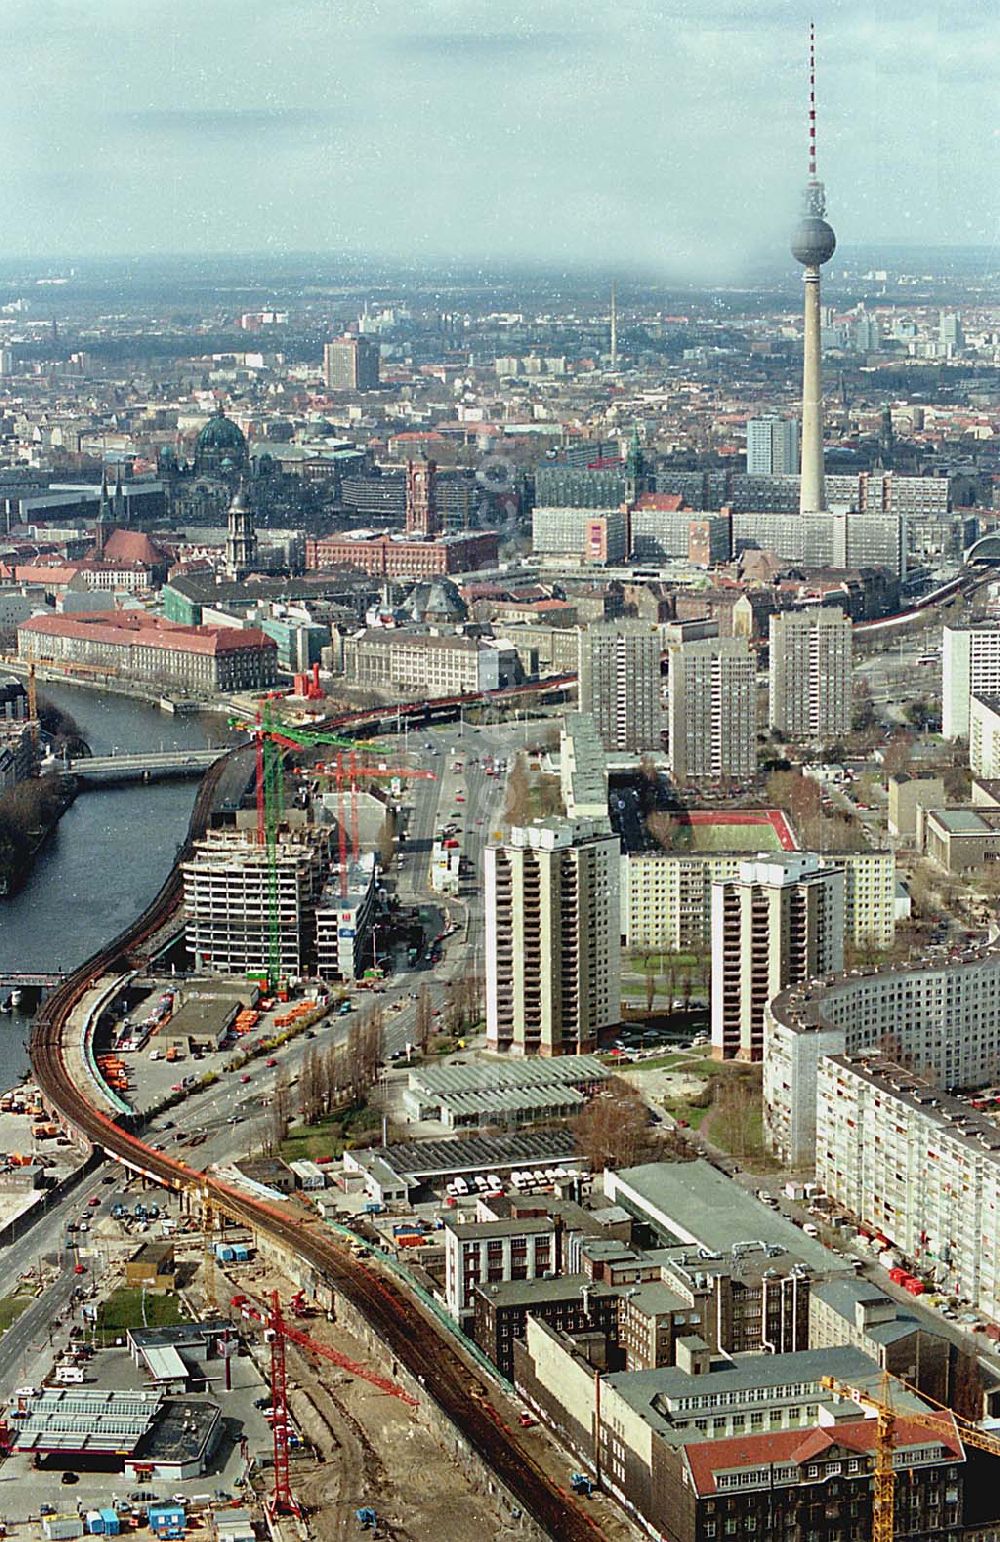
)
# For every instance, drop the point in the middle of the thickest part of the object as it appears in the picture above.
(813, 243)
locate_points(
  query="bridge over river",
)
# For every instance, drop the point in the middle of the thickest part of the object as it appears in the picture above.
(94, 770)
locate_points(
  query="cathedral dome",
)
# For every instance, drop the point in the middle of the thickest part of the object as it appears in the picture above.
(220, 439)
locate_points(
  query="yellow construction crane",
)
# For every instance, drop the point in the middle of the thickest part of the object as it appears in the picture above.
(884, 1495)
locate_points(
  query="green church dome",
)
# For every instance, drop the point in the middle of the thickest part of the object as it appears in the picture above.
(221, 435)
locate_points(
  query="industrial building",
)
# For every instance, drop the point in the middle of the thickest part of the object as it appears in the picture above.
(153, 1437)
(393, 1173)
(810, 683)
(712, 710)
(231, 924)
(511, 1092)
(780, 921)
(133, 645)
(619, 683)
(553, 937)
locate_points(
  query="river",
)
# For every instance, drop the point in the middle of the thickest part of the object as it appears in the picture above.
(109, 854)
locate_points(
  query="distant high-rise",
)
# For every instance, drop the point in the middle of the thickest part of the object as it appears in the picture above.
(810, 673)
(351, 364)
(772, 447)
(553, 937)
(712, 710)
(619, 674)
(813, 243)
(779, 922)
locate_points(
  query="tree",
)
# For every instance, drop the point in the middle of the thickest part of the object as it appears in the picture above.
(649, 967)
(897, 754)
(518, 792)
(613, 1130)
(424, 1019)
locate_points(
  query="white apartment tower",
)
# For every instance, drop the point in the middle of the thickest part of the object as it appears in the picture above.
(810, 678)
(619, 673)
(970, 666)
(553, 937)
(772, 446)
(712, 712)
(779, 922)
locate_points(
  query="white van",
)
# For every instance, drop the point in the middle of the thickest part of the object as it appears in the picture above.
(69, 1375)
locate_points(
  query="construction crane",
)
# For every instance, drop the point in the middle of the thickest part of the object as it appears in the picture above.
(271, 740)
(348, 769)
(886, 1415)
(278, 1332)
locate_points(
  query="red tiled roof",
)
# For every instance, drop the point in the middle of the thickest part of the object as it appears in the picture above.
(706, 1458)
(132, 546)
(148, 631)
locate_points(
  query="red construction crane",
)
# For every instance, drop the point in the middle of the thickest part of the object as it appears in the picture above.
(278, 1332)
(349, 769)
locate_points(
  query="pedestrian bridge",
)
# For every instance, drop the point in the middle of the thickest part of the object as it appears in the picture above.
(94, 770)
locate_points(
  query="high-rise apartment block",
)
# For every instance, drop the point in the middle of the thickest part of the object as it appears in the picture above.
(970, 666)
(712, 712)
(351, 364)
(779, 922)
(553, 937)
(810, 680)
(619, 671)
(772, 446)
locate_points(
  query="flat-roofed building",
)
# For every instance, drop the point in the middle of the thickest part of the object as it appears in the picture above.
(553, 937)
(780, 921)
(133, 645)
(810, 673)
(487, 1252)
(620, 683)
(435, 664)
(583, 768)
(959, 840)
(713, 709)
(984, 736)
(970, 666)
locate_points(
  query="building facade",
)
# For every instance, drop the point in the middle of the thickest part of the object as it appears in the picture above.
(351, 364)
(553, 948)
(619, 683)
(712, 710)
(780, 921)
(772, 446)
(392, 555)
(970, 666)
(810, 684)
(133, 645)
(436, 665)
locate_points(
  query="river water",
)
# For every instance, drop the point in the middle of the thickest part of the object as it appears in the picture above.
(109, 854)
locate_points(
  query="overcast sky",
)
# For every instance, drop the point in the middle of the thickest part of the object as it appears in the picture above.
(664, 133)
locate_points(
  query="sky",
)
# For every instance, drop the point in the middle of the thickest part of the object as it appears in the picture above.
(661, 135)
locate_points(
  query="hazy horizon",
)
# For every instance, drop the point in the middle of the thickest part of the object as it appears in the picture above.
(661, 138)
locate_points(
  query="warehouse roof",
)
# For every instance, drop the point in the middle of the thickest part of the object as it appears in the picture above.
(493, 1076)
(414, 1161)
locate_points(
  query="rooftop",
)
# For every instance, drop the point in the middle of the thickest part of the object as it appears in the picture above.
(690, 1202)
(416, 1161)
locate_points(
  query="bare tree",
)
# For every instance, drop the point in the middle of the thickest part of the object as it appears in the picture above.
(613, 1129)
(424, 1019)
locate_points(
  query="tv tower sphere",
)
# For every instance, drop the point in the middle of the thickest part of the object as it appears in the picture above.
(813, 241)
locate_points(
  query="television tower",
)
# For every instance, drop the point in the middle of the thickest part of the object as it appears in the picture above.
(614, 329)
(813, 243)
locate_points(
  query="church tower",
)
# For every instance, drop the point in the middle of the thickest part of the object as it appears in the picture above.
(241, 539)
(421, 501)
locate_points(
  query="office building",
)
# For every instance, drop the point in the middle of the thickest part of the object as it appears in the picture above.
(351, 364)
(482, 1253)
(136, 646)
(712, 709)
(619, 675)
(434, 664)
(580, 535)
(233, 922)
(970, 666)
(553, 938)
(779, 922)
(810, 674)
(772, 446)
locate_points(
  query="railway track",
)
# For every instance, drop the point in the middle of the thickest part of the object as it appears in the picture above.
(407, 1332)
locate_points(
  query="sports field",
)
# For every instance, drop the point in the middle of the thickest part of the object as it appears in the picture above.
(732, 830)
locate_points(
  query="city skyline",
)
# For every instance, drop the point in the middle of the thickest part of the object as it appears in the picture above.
(447, 132)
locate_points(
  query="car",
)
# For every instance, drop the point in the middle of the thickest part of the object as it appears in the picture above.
(46, 1509)
(141, 1496)
(526, 1420)
(69, 1478)
(270, 1061)
(244, 1078)
(79, 1269)
(109, 1179)
(262, 1402)
(25, 1391)
(94, 1201)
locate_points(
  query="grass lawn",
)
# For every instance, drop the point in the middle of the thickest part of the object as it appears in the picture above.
(11, 1307)
(306, 1142)
(124, 1309)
